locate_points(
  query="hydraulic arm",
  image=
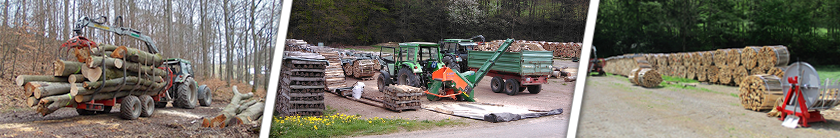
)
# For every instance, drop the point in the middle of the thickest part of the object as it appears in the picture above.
(87, 22)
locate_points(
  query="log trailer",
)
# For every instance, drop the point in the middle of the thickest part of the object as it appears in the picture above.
(180, 87)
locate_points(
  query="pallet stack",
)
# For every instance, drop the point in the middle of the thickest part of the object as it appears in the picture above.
(402, 97)
(302, 85)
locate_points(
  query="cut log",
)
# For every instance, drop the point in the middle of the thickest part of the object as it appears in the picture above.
(251, 114)
(103, 48)
(97, 61)
(31, 101)
(138, 56)
(720, 57)
(95, 74)
(229, 112)
(23, 79)
(118, 81)
(66, 68)
(44, 89)
(48, 105)
(136, 67)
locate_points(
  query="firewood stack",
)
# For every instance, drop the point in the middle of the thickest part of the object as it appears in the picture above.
(560, 49)
(295, 45)
(759, 92)
(721, 66)
(100, 73)
(645, 77)
(302, 85)
(334, 72)
(362, 68)
(402, 97)
(242, 109)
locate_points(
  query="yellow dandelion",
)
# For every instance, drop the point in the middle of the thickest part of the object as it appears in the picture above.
(316, 127)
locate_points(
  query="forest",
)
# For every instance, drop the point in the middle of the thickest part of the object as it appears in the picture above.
(809, 28)
(231, 40)
(368, 22)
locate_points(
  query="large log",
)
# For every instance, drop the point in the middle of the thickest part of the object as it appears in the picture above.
(44, 89)
(138, 56)
(251, 114)
(97, 61)
(103, 49)
(118, 81)
(50, 104)
(23, 79)
(136, 67)
(66, 68)
(31, 101)
(229, 112)
(94, 74)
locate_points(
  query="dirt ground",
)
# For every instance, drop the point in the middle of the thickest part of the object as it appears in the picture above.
(612, 107)
(16, 120)
(555, 94)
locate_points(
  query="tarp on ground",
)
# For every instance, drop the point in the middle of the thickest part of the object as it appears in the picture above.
(488, 112)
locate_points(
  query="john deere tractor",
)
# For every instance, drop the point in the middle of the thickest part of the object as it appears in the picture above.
(410, 64)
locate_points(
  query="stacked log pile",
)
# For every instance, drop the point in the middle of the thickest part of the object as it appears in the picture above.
(362, 68)
(759, 92)
(721, 66)
(566, 50)
(402, 97)
(100, 73)
(334, 72)
(302, 85)
(242, 109)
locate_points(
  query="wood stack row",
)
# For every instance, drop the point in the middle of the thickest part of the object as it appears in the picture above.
(402, 97)
(242, 109)
(362, 68)
(100, 73)
(302, 85)
(759, 92)
(721, 66)
(620, 65)
(560, 49)
(334, 72)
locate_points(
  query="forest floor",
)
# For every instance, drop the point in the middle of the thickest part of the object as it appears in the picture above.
(556, 94)
(612, 107)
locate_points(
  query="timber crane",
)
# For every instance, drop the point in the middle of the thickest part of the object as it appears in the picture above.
(99, 23)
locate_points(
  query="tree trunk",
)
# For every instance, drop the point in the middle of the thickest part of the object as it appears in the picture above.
(136, 67)
(94, 74)
(67, 68)
(44, 89)
(138, 56)
(23, 79)
(250, 114)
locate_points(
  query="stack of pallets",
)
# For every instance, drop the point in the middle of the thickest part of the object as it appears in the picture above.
(302, 85)
(402, 97)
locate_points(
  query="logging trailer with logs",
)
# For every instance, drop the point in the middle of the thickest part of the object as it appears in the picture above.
(175, 75)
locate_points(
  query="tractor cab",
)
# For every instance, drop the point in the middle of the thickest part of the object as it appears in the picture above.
(181, 68)
(454, 51)
(410, 64)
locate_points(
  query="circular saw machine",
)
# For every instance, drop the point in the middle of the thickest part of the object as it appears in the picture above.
(805, 96)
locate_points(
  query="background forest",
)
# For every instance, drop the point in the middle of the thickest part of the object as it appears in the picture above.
(367, 22)
(231, 40)
(810, 28)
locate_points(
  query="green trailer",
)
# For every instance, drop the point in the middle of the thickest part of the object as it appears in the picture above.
(513, 72)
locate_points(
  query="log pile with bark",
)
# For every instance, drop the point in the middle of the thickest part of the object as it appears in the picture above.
(402, 97)
(303, 82)
(242, 109)
(362, 68)
(101, 73)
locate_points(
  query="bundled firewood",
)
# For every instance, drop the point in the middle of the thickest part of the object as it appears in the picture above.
(749, 57)
(362, 68)
(242, 109)
(402, 97)
(759, 92)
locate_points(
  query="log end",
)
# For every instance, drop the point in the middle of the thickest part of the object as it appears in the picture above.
(119, 52)
(92, 74)
(32, 101)
(58, 69)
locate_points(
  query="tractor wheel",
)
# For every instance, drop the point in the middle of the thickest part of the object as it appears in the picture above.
(511, 87)
(383, 81)
(497, 84)
(406, 77)
(534, 89)
(186, 95)
(450, 62)
(130, 107)
(148, 106)
(205, 97)
(456, 67)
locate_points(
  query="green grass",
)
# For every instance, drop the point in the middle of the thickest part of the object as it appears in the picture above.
(339, 125)
(831, 72)
(666, 79)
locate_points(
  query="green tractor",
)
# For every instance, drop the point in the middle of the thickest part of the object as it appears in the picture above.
(454, 52)
(410, 64)
(184, 92)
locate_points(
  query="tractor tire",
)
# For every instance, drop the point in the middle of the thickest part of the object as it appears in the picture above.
(148, 106)
(497, 84)
(383, 81)
(130, 107)
(534, 89)
(205, 97)
(85, 112)
(456, 67)
(187, 97)
(450, 62)
(511, 87)
(406, 77)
